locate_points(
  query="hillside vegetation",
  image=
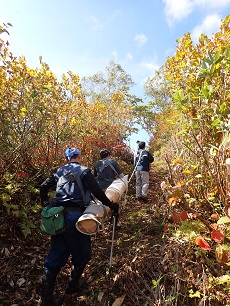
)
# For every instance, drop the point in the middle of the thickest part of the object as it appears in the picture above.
(173, 251)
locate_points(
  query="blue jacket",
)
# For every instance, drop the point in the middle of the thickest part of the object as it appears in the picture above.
(143, 160)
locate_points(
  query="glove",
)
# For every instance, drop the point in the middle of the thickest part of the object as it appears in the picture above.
(114, 207)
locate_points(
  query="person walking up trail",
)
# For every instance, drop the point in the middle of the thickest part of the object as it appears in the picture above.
(71, 242)
(106, 170)
(142, 161)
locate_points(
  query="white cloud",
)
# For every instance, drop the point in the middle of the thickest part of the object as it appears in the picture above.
(114, 15)
(177, 10)
(141, 39)
(147, 68)
(97, 24)
(150, 66)
(209, 26)
(211, 4)
(129, 56)
(115, 54)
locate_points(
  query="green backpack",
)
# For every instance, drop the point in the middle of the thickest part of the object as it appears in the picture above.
(52, 220)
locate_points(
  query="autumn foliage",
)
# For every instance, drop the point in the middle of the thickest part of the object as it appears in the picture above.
(198, 149)
(40, 116)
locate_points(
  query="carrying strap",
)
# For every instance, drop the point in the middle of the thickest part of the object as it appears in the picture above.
(74, 175)
(85, 195)
(111, 166)
(108, 163)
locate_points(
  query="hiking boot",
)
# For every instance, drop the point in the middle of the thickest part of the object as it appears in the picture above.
(74, 287)
(48, 284)
(144, 199)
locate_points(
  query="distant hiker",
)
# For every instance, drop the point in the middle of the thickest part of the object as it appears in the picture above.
(142, 160)
(106, 170)
(71, 242)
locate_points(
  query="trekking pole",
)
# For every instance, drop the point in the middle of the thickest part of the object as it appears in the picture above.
(110, 261)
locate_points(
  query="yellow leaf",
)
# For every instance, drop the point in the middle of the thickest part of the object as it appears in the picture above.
(172, 201)
(186, 171)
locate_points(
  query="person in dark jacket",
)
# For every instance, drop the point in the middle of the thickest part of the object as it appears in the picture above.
(71, 241)
(142, 161)
(106, 170)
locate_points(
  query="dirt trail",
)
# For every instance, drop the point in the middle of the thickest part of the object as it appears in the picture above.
(149, 267)
(138, 250)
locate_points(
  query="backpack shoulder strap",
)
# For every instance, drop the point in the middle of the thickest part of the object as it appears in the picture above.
(112, 167)
(86, 195)
(138, 157)
(105, 163)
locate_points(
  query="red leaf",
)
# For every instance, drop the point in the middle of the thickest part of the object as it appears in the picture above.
(202, 243)
(217, 236)
(165, 229)
(184, 215)
(22, 174)
(176, 217)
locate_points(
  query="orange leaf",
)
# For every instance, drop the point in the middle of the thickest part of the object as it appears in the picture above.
(172, 201)
(165, 229)
(179, 161)
(192, 112)
(202, 243)
(214, 216)
(217, 236)
(194, 215)
(214, 226)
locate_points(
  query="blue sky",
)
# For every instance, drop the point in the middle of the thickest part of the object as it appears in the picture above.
(83, 36)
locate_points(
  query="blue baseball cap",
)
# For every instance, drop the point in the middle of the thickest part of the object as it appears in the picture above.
(70, 152)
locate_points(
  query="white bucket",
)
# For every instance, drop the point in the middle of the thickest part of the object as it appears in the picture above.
(115, 191)
(92, 219)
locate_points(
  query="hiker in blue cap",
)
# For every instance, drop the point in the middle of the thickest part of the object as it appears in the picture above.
(69, 194)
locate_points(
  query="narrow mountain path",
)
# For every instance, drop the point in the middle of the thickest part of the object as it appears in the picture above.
(150, 267)
(138, 249)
